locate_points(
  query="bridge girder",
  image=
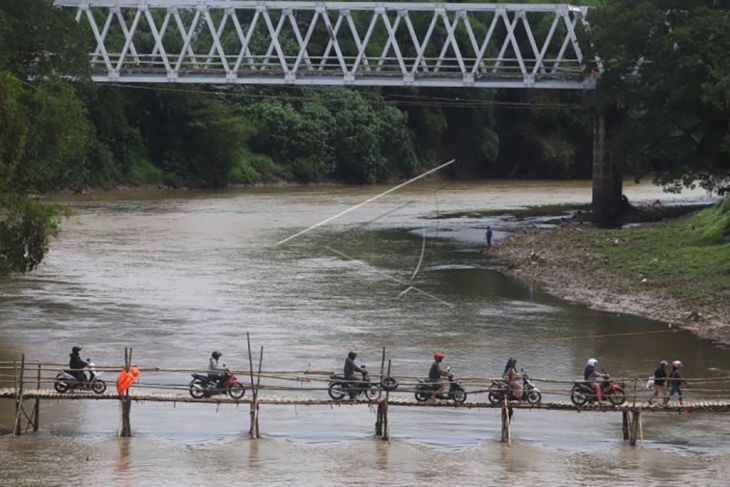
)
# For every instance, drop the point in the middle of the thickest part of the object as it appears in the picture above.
(337, 43)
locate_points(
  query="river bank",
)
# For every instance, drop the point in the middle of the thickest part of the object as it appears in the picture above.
(676, 270)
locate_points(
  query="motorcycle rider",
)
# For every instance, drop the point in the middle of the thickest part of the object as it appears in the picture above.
(350, 369)
(591, 376)
(77, 364)
(436, 373)
(216, 372)
(513, 378)
(660, 378)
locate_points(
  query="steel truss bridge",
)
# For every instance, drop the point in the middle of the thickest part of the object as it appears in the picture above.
(479, 45)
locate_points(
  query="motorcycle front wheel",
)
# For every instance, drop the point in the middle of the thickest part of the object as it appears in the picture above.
(616, 398)
(98, 386)
(197, 389)
(578, 397)
(60, 385)
(534, 397)
(459, 396)
(423, 393)
(236, 391)
(372, 393)
(336, 391)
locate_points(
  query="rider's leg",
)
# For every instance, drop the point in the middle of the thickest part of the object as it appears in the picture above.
(597, 390)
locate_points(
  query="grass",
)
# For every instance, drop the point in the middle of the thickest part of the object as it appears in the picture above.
(687, 257)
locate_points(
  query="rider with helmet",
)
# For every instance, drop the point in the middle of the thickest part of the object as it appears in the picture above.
(216, 372)
(660, 379)
(591, 376)
(77, 364)
(676, 382)
(436, 373)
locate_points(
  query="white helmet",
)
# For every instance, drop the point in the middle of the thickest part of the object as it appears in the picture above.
(592, 362)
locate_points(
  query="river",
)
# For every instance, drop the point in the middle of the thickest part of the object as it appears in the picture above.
(178, 274)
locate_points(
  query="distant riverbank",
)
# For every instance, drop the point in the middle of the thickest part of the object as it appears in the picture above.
(676, 270)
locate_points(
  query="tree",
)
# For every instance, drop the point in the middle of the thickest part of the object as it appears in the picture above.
(668, 64)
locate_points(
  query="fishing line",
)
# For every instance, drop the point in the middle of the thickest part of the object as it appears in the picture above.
(367, 201)
(388, 276)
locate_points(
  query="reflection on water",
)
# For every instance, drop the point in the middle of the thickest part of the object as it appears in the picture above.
(177, 276)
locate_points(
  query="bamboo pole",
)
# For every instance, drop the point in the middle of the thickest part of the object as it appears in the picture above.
(635, 421)
(625, 425)
(379, 414)
(19, 398)
(385, 424)
(37, 408)
(506, 419)
(255, 401)
(252, 431)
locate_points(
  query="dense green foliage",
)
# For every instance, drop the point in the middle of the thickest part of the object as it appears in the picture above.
(668, 64)
(61, 135)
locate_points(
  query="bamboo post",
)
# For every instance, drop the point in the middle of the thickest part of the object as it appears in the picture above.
(125, 429)
(506, 420)
(625, 425)
(255, 401)
(635, 422)
(379, 415)
(252, 431)
(37, 409)
(19, 397)
(384, 420)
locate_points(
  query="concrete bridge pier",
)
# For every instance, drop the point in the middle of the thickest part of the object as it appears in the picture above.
(607, 181)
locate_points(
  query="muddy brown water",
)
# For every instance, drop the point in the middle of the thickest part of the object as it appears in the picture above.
(176, 275)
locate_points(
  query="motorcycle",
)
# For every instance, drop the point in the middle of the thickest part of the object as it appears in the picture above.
(583, 392)
(498, 389)
(66, 381)
(202, 386)
(425, 390)
(339, 387)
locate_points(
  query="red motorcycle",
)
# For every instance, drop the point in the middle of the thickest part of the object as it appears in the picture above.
(203, 386)
(583, 392)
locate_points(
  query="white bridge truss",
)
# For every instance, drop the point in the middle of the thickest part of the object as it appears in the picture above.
(337, 43)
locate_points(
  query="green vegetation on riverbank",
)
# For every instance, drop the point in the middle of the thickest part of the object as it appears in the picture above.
(687, 257)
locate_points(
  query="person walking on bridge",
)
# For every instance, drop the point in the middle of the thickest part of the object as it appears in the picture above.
(660, 379)
(676, 382)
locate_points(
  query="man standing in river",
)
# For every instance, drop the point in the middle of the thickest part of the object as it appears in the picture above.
(489, 235)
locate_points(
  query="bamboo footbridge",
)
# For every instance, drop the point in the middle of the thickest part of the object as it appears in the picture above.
(32, 382)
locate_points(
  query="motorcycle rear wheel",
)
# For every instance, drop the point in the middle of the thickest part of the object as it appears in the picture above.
(459, 396)
(98, 386)
(236, 391)
(423, 393)
(60, 385)
(534, 397)
(336, 391)
(495, 397)
(578, 397)
(197, 389)
(616, 398)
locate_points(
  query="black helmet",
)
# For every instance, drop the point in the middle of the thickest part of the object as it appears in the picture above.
(76, 349)
(352, 355)
(216, 355)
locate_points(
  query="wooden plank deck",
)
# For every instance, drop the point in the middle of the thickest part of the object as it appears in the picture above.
(50, 394)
